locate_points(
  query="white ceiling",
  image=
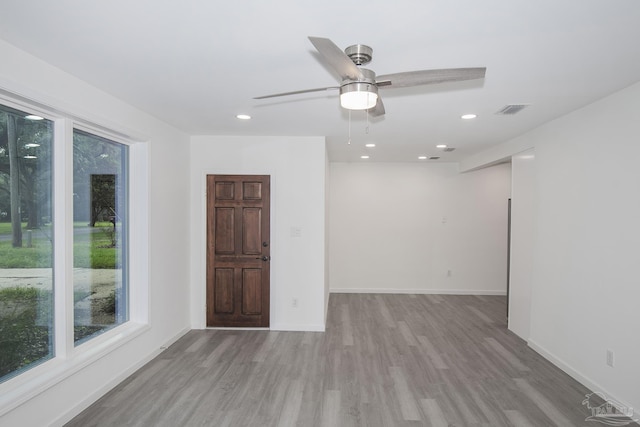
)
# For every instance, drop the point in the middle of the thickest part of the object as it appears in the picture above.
(197, 63)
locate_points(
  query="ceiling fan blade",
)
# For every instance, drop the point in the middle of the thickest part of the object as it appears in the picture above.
(337, 58)
(425, 77)
(378, 109)
(296, 92)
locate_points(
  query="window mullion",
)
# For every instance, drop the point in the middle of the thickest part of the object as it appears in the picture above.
(63, 237)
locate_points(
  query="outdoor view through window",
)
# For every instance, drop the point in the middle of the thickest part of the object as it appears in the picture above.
(99, 234)
(26, 241)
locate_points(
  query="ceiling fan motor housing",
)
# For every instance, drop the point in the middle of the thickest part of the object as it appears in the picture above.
(359, 53)
(368, 76)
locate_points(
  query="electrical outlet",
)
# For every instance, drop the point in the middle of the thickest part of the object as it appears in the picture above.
(294, 303)
(610, 360)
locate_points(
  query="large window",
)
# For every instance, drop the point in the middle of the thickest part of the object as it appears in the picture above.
(26, 241)
(76, 184)
(99, 234)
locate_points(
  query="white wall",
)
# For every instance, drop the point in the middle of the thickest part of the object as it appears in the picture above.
(585, 289)
(400, 227)
(586, 293)
(327, 251)
(523, 191)
(168, 277)
(297, 169)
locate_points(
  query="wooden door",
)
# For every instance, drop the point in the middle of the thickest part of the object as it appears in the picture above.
(238, 250)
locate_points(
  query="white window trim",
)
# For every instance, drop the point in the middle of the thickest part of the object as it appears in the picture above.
(63, 237)
(69, 359)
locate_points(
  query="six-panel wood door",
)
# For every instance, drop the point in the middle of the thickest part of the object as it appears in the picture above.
(238, 250)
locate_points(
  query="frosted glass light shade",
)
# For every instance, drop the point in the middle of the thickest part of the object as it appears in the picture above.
(358, 96)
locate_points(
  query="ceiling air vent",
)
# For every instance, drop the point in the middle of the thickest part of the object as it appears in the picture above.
(434, 158)
(448, 149)
(511, 109)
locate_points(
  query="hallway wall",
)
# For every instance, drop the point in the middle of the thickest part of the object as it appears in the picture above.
(418, 228)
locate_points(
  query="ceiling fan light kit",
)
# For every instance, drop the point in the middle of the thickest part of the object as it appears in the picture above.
(361, 94)
(358, 96)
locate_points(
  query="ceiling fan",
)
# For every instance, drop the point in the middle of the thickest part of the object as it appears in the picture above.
(359, 86)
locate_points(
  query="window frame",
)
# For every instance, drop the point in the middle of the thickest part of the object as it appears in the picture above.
(67, 358)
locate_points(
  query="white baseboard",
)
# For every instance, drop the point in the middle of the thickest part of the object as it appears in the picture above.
(90, 399)
(417, 291)
(294, 327)
(578, 376)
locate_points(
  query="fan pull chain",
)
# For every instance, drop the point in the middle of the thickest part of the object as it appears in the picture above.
(349, 142)
(366, 130)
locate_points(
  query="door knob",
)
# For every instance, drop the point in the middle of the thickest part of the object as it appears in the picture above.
(264, 258)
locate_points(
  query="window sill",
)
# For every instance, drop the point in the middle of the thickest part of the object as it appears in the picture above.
(25, 386)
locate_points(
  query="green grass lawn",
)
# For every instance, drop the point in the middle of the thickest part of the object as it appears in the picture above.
(92, 250)
(5, 227)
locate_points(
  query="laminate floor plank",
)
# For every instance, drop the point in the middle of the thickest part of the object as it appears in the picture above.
(406, 399)
(517, 419)
(384, 361)
(331, 408)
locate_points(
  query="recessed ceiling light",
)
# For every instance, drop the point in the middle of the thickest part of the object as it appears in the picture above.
(30, 156)
(369, 145)
(31, 145)
(468, 116)
(33, 117)
(441, 146)
(243, 117)
(364, 157)
(422, 157)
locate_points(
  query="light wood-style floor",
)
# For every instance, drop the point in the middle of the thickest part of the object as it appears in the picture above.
(385, 360)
